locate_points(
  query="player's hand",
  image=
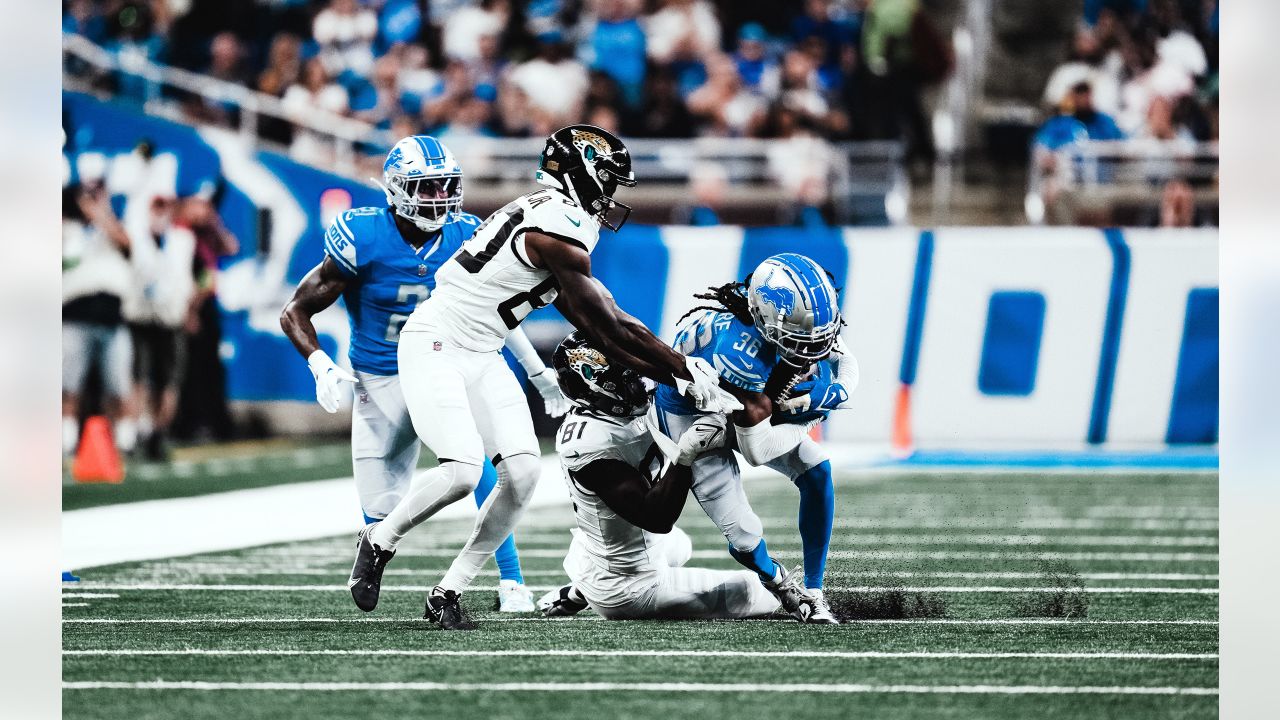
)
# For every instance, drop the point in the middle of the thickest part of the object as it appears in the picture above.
(704, 389)
(553, 401)
(706, 433)
(330, 379)
(833, 396)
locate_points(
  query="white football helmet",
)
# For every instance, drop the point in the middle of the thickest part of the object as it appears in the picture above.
(795, 306)
(422, 181)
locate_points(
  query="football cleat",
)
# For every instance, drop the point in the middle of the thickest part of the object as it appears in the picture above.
(444, 608)
(562, 602)
(821, 614)
(366, 574)
(790, 591)
(514, 597)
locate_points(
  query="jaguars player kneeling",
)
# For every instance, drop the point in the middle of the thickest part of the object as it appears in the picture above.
(627, 557)
(382, 261)
(772, 337)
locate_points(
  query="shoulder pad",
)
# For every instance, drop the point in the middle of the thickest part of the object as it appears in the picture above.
(559, 218)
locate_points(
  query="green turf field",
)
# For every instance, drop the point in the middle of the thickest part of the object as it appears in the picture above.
(960, 580)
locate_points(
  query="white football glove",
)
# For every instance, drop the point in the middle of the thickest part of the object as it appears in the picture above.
(553, 401)
(329, 380)
(706, 433)
(704, 389)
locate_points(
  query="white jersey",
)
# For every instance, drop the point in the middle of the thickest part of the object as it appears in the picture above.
(489, 286)
(611, 543)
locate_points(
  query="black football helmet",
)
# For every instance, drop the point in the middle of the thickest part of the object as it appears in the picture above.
(589, 379)
(588, 164)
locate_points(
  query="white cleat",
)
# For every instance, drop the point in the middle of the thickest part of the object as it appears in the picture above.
(821, 613)
(514, 597)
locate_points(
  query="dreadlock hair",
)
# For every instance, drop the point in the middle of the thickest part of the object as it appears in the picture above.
(730, 297)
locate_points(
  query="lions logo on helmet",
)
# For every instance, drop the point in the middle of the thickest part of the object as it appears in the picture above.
(795, 306)
(422, 181)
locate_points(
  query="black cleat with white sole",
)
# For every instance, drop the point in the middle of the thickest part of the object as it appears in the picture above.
(366, 574)
(562, 602)
(444, 608)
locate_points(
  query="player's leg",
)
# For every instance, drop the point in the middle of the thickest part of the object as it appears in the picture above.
(502, 416)
(117, 366)
(513, 596)
(434, 385)
(809, 467)
(75, 368)
(703, 594)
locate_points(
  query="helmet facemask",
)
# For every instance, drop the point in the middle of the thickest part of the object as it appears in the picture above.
(427, 202)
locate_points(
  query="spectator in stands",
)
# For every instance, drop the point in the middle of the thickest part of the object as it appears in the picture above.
(723, 104)
(1177, 205)
(202, 407)
(1091, 60)
(616, 46)
(453, 91)
(472, 119)
(84, 17)
(665, 114)
(1077, 120)
(162, 255)
(801, 164)
(226, 63)
(95, 284)
(379, 102)
(135, 39)
(553, 85)
(758, 71)
(315, 90)
(464, 27)
(1149, 77)
(345, 33)
(684, 35)
(284, 67)
(708, 183)
(800, 89)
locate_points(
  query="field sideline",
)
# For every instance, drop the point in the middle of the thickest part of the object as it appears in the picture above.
(958, 581)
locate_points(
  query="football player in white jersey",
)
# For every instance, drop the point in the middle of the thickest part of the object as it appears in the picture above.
(627, 557)
(382, 261)
(463, 399)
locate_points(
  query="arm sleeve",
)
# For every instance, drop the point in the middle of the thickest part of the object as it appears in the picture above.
(765, 441)
(519, 345)
(340, 244)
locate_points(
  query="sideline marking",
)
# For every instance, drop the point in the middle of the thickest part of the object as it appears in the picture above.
(661, 653)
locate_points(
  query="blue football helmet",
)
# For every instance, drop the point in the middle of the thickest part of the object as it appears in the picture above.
(422, 181)
(795, 307)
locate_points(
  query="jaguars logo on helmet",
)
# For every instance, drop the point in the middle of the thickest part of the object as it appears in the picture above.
(590, 380)
(588, 164)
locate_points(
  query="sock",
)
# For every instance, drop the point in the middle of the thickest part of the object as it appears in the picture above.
(817, 513)
(126, 433)
(507, 557)
(369, 519)
(432, 491)
(758, 560)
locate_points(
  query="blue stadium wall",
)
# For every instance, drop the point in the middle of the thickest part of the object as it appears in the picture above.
(1018, 336)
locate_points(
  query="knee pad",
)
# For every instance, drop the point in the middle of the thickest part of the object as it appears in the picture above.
(462, 479)
(520, 473)
(746, 534)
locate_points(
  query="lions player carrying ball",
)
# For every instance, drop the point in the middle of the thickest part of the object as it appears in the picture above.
(465, 402)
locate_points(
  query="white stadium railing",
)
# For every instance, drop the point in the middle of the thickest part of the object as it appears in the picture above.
(1117, 168)
(758, 171)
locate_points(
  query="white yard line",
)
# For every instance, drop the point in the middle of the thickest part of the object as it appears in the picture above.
(75, 604)
(88, 595)
(193, 587)
(833, 654)
(643, 687)
(367, 619)
(300, 552)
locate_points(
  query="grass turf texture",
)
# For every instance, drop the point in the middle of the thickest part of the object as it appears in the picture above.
(285, 612)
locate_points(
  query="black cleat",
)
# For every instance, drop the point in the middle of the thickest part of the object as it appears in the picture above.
(444, 609)
(562, 602)
(366, 574)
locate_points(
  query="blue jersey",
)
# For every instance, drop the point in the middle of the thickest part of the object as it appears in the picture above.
(388, 278)
(743, 358)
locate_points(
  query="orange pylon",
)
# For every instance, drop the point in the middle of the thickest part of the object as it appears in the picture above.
(902, 442)
(97, 459)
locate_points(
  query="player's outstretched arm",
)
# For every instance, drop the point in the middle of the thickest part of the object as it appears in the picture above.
(584, 303)
(317, 291)
(653, 507)
(759, 440)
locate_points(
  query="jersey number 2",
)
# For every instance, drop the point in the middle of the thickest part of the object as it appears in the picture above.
(408, 293)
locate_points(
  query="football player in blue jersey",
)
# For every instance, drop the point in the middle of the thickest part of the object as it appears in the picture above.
(382, 261)
(775, 341)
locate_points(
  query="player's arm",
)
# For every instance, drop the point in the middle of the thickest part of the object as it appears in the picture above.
(585, 304)
(317, 291)
(759, 439)
(653, 507)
